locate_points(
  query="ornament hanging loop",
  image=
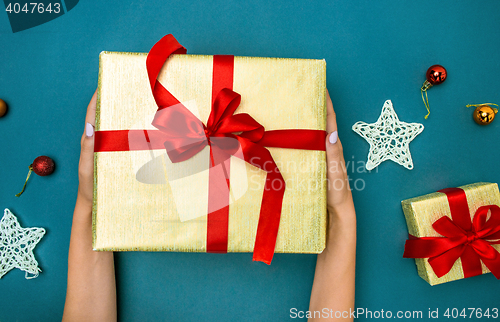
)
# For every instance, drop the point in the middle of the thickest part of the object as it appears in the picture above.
(488, 104)
(423, 89)
(24, 187)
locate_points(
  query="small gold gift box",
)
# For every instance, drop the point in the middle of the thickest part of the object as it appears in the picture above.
(422, 212)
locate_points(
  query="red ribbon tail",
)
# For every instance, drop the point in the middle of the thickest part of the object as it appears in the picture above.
(488, 255)
(269, 219)
(493, 266)
(443, 263)
(471, 264)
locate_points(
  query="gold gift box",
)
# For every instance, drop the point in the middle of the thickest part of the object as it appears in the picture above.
(422, 212)
(130, 215)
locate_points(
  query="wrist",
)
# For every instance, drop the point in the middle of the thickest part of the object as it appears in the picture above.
(342, 208)
(84, 197)
(342, 216)
(341, 233)
(83, 202)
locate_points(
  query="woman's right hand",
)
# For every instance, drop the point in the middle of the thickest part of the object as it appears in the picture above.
(339, 197)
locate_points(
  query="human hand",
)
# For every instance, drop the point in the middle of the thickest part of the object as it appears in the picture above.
(339, 196)
(91, 275)
(86, 165)
(334, 279)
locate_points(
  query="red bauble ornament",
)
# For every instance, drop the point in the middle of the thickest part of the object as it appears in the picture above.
(436, 74)
(42, 166)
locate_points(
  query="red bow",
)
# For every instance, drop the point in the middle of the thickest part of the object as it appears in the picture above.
(469, 241)
(186, 135)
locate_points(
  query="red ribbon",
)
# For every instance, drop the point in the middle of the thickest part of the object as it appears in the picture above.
(183, 136)
(469, 241)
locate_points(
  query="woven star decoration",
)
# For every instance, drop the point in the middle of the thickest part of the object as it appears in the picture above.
(389, 138)
(16, 246)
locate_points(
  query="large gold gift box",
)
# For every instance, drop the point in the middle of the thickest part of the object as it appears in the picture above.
(421, 212)
(140, 197)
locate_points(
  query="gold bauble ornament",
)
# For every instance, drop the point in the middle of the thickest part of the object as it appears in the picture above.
(3, 108)
(484, 114)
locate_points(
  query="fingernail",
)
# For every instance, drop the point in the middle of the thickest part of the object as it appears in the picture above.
(333, 137)
(89, 130)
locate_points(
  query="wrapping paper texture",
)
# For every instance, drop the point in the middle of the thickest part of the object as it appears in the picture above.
(134, 200)
(421, 212)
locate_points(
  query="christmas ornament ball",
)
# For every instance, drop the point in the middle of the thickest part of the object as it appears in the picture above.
(436, 74)
(3, 108)
(484, 114)
(43, 165)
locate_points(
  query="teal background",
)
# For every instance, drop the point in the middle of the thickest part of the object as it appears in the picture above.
(375, 50)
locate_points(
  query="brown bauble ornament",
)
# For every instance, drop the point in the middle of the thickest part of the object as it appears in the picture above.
(484, 114)
(3, 108)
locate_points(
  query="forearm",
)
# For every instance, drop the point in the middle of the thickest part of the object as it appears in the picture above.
(91, 291)
(333, 286)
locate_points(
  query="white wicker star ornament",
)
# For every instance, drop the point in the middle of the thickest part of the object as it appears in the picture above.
(16, 246)
(389, 138)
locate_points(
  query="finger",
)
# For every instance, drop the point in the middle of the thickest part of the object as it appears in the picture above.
(86, 168)
(333, 146)
(86, 153)
(90, 117)
(338, 183)
(334, 157)
(331, 120)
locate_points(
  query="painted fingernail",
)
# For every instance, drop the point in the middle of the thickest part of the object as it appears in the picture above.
(89, 130)
(333, 137)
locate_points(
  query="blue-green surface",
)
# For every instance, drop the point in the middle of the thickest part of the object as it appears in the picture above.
(375, 50)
